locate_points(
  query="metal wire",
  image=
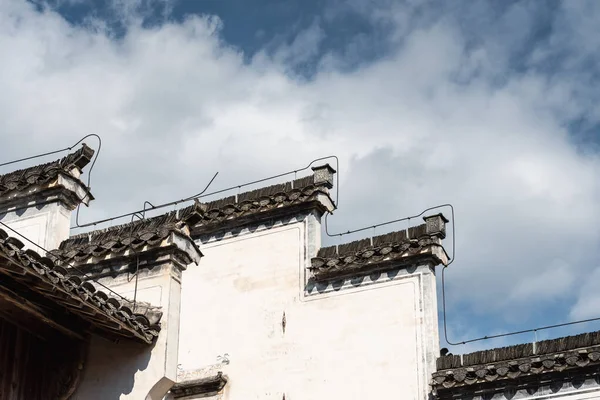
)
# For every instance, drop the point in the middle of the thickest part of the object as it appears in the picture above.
(203, 194)
(395, 221)
(141, 214)
(450, 261)
(65, 149)
(501, 334)
(64, 261)
(36, 156)
(89, 173)
(143, 210)
(89, 178)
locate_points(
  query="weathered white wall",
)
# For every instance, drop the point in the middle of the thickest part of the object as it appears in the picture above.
(128, 370)
(46, 226)
(571, 395)
(367, 340)
(590, 389)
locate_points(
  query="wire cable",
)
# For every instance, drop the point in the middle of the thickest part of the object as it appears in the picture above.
(398, 220)
(450, 261)
(36, 156)
(532, 330)
(62, 150)
(203, 194)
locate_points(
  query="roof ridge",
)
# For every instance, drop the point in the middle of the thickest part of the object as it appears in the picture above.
(115, 228)
(299, 183)
(199, 214)
(198, 206)
(494, 367)
(79, 158)
(182, 215)
(375, 241)
(522, 350)
(23, 178)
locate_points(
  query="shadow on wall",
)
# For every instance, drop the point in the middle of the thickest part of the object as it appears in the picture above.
(111, 369)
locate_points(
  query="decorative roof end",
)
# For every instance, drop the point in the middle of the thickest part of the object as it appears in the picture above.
(83, 156)
(323, 175)
(436, 225)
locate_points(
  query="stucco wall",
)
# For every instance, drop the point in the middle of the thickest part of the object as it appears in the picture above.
(363, 340)
(585, 390)
(131, 371)
(46, 226)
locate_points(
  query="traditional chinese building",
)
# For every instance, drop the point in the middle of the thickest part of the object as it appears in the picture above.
(236, 299)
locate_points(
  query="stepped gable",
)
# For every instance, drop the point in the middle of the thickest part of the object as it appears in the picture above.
(100, 311)
(252, 205)
(509, 365)
(28, 178)
(134, 235)
(387, 251)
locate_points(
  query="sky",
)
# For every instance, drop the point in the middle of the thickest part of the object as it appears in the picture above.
(493, 107)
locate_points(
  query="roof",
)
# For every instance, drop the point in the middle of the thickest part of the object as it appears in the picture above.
(267, 201)
(44, 278)
(382, 252)
(135, 235)
(200, 218)
(27, 178)
(506, 365)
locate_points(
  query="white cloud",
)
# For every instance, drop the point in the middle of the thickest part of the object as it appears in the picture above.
(427, 124)
(588, 302)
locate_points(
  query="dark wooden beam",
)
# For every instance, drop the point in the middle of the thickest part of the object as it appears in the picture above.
(8, 316)
(11, 268)
(50, 318)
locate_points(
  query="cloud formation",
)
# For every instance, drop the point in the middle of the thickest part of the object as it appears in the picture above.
(468, 105)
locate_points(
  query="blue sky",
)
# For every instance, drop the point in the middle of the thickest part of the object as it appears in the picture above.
(492, 106)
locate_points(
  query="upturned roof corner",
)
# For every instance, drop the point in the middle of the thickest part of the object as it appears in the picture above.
(48, 180)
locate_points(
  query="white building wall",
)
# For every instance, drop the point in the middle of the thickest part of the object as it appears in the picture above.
(47, 226)
(132, 371)
(363, 341)
(588, 390)
(585, 394)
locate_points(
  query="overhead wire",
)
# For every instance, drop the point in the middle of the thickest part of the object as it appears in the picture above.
(450, 261)
(141, 213)
(203, 194)
(97, 152)
(36, 156)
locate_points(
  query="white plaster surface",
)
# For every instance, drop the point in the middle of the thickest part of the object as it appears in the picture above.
(353, 344)
(579, 395)
(589, 390)
(127, 370)
(47, 226)
(595, 394)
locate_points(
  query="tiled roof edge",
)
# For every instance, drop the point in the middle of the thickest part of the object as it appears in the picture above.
(23, 178)
(395, 248)
(69, 289)
(520, 351)
(262, 202)
(513, 362)
(200, 218)
(135, 234)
